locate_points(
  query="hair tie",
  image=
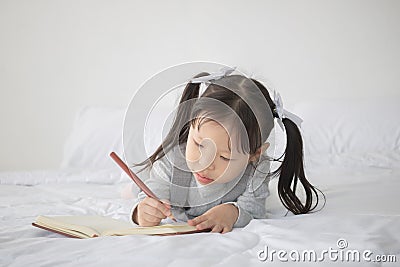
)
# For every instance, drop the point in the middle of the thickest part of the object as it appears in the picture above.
(223, 72)
(283, 113)
(207, 79)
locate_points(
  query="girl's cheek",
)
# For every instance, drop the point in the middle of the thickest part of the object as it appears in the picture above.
(231, 171)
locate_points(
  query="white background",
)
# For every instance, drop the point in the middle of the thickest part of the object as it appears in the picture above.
(58, 56)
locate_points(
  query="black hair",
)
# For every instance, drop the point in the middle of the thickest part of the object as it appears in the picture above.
(292, 168)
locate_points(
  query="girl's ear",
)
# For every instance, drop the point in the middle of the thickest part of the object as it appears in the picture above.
(259, 151)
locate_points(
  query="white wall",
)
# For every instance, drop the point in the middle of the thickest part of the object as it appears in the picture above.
(57, 56)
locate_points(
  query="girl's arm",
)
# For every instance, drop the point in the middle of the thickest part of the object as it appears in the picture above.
(251, 204)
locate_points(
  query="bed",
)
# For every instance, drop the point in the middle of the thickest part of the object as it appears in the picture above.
(352, 154)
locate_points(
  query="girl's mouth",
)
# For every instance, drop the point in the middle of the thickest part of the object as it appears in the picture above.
(203, 180)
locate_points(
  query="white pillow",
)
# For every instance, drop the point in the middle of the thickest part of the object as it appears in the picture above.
(350, 126)
(97, 131)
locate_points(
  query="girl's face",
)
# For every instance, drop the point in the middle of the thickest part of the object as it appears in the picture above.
(209, 157)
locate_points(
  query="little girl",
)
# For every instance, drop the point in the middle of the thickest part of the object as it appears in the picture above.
(211, 170)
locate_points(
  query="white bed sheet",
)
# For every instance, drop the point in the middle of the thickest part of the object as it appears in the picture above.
(362, 207)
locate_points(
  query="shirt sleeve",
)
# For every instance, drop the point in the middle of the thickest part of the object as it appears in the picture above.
(251, 204)
(158, 182)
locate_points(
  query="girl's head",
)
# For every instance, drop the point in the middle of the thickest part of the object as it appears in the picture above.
(226, 128)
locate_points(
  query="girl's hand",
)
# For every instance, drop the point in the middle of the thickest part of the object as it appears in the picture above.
(150, 212)
(220, 219)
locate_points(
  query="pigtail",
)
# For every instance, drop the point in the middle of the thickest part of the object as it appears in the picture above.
(181, 121)
(292, 168)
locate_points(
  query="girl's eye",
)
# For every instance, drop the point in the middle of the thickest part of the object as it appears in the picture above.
(201, 146)
(197, 143)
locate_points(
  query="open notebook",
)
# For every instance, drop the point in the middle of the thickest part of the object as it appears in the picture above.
(96, 226)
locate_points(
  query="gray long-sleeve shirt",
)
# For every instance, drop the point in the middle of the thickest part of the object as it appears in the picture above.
(249, 198)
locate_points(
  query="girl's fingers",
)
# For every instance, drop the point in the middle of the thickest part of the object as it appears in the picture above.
(154, 212)
(204, 225)
(158, 205)
(226, 230)
(152, 219)
(149, 223)
(166, 203)
(197, 220)
(217, 229)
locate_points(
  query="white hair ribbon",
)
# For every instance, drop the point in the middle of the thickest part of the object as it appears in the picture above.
(225, 71)
(283, 113)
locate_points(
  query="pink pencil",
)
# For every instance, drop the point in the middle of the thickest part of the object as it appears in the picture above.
(136, 179)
